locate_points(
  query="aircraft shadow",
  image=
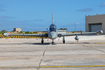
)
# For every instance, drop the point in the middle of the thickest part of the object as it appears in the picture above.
(76, 43)
(44, 43)
(24, 43)
(38, 43)
(60, 43)
(11, 43)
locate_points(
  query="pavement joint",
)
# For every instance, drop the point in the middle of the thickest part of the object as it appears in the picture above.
(95, 49)
(42, 58)
(99, 50)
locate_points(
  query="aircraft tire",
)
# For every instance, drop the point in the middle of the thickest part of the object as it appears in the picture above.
(52, 42)
(63, 41)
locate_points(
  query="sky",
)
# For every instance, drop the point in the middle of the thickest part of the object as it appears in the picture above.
(36, 15)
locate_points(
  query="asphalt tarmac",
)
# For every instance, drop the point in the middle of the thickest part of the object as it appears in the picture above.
(30, 54)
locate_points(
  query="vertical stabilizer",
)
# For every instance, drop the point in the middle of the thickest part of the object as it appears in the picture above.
(52, 19)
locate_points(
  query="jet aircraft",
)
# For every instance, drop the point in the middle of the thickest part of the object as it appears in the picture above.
(52, 33)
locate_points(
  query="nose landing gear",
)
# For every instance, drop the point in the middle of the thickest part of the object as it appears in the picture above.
(53, 42)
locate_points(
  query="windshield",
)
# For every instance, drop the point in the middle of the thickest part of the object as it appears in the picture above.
(52, 28)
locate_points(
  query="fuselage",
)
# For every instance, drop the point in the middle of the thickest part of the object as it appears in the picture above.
(52, 33)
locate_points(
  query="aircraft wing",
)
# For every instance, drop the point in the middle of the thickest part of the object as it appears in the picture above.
(37, 35)
(83, 33)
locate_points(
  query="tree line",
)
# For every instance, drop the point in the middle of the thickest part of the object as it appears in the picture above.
(21, 32)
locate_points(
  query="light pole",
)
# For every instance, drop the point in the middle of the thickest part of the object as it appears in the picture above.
(25, 28)
(75, 27)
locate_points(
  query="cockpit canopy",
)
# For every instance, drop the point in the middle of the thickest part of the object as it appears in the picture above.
(52, 28)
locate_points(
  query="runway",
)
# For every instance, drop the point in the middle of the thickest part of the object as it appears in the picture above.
(29, 54)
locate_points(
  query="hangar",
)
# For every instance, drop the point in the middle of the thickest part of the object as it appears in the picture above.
(94, 23)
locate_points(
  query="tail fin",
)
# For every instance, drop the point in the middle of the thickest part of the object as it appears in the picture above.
(52, 19)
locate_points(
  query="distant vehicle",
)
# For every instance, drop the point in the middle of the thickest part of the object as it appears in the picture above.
(52, 33)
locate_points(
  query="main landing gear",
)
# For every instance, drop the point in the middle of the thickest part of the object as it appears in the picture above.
(42, 41)
(63, 39)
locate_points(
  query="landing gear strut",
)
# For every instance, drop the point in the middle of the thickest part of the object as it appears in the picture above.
(42, 41)
(53, 42)
(63, 39)
(76, 38)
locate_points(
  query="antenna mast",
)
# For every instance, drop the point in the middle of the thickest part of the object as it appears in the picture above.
(52, 19)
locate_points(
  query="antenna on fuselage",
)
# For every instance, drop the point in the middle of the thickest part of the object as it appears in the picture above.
(52, 19)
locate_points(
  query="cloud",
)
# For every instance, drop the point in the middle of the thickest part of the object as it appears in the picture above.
(2, 10)
(30, 25)
(15, 23)
(1, 6)
(4, 17)
(77, 23)
(85, 10)
(69, 24)
(38, 20)
(103, 4)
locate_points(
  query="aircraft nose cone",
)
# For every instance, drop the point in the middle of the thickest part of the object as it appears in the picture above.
(53, 35)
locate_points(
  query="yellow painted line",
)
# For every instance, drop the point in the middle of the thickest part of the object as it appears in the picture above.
(72, 66)
(101, 43)
(21, 37)
(25, 67)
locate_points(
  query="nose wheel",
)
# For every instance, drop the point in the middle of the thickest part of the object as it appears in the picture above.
(53, 42)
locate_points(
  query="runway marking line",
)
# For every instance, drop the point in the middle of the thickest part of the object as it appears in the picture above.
(72, 66)
(101, 43)
(76, 66)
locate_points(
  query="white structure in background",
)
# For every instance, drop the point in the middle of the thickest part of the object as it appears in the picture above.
(62, 30)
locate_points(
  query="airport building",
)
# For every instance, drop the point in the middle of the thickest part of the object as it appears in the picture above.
(94, 23)
(17, 29)
(62, 30)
